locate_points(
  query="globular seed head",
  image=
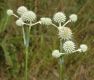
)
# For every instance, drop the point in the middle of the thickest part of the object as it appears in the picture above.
(9, 12)
(83, 47)
(56, 54)
(29, 16)
(21, 10)
(73, 17)
(59, 17)
(69, 46)
(46, 21)
(65, 33)
(19, 22)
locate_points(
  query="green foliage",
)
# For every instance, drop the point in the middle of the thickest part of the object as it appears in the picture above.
(4, 19)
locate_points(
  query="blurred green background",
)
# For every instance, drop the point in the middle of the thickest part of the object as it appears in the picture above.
(44, 39)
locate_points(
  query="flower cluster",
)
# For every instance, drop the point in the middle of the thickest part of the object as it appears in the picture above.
(65, 34)
(28, 17)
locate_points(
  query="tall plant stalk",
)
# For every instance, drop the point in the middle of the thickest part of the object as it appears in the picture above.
(26, 63)
(26, 37)
(61, 63)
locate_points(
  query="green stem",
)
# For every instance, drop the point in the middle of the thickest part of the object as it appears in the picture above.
(24, 35)
(61, 63)
(61, 69)
(27, 53)
(26, 38)
(26, 63)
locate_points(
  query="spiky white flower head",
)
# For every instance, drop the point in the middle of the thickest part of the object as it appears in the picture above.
(83, 47)
(9, 12)
(29, 16)
(65, 33)
(21, 10)
(73, 17)
(69, 47)
(46, 21)
(19, 22)
(56, 54)
(59, 17)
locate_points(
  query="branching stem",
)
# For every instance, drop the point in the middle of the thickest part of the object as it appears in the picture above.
(66, 23)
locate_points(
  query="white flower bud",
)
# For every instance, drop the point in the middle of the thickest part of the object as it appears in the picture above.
(59, 17)
(29, 16)
(56, 54)
(73, 17)
(65, 33)
(83, 47)
(19, 22)
(69, 47)
(21, 10)
(46, 21)
(9, 12)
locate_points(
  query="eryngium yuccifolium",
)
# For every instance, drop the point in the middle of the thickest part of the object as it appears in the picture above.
(21, 10)
(29, 16)
(69, 47)
(9, 12)
(73, 17)
(59, 17)
(65, 33)
(46, 21)
(56, 54)
(83, 47)
(19, 22)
